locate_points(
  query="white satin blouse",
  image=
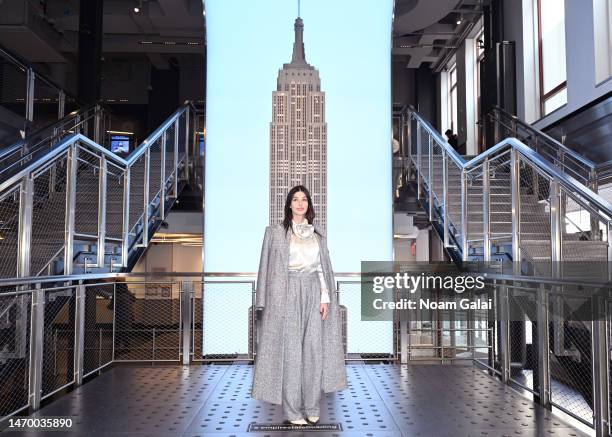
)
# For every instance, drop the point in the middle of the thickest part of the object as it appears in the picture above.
(304, 254)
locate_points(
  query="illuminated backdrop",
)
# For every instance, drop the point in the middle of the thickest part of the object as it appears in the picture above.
(349, 42)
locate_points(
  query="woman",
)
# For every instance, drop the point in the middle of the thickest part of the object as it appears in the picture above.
(300, 352)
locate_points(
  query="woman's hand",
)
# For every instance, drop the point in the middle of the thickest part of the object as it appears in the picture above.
(323, 310)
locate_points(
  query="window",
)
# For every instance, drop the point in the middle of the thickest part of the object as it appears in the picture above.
(551, 50)
(602, 26)
(452, 87)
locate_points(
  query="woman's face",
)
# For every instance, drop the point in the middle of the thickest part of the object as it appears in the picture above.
(299, 204)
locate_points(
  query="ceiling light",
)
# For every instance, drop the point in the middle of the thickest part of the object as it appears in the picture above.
(136, 9)
(459, 20)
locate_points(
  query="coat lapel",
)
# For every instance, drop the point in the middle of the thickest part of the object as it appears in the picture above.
(285, 250)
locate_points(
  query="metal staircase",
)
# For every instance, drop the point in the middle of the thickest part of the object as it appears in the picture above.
(511, 199)
(68, 205)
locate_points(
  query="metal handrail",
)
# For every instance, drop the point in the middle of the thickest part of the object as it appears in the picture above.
(154, 136)
(525, 151)
(558, 145)
(24, 66)
(73, 115)
(47, 137)
(65, 143)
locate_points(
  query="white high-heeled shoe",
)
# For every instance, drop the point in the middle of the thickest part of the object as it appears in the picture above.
(313, 419)
(298, 422)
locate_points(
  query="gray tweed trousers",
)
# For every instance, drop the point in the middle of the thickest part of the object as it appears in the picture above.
(303, 351)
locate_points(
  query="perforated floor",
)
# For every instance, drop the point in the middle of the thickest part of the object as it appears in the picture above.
(382, 400)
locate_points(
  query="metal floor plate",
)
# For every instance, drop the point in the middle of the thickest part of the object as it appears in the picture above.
(381, 400)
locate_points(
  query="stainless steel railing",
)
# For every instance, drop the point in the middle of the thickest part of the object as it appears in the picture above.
(509, 195)
(92, 121)
(132, 317)
(80, 197)
(29, 92)
(567, 160)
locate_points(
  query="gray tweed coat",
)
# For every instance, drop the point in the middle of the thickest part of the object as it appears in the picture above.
(272, 283)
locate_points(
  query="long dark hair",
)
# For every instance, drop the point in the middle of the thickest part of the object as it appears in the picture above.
(310, 212)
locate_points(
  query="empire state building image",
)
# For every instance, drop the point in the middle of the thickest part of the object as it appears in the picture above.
(298, 134)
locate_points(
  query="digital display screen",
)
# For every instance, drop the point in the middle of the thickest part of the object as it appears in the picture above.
(120, 144)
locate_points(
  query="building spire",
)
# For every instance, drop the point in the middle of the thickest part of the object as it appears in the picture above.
(298, 8)
(299, 57)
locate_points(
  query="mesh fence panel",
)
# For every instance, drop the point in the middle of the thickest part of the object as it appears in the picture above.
(197, 323)
(87, 193)
(454, 196)
(170, 152)
(500, 199)
(535, 218)
(58, 339)
(475, 214)
(46, 99)
(437, 177)
(155, 170)
(221, 299)
(15, 318)
(13, 88)
(114, 201)
(584, 238)
(136, 192)
(48, 215)
(424, 147)
(9, 232)
(181, 138)
(523, 339)
(147, 321)
(571, 376)
(98, 338)
(485, 330)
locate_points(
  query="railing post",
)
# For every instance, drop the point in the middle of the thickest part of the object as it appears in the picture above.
(162, 191)
(601, 377)
(97, 125)
(126, 218)
(504, 332)
(465, 247)
(71, 176)
(36, 348)
(31, 77)
(430, 179)
(543, 346)
(25, 226)
(114, 319)
(515, 182)
(61, 104)
(486, 216)
(187, 125)
(186, 310)
(594, 222)
(102, 212)
(175, 179)
(79, 351)
(419, 158)
(555, 228)
(145, 199)
(445, 195)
